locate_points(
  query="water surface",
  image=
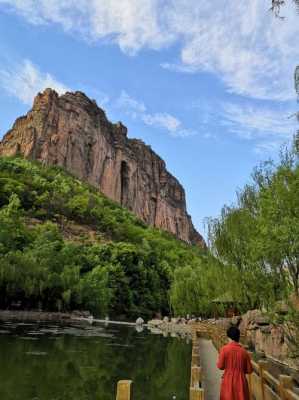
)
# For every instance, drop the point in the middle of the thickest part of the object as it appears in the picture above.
(58, 362)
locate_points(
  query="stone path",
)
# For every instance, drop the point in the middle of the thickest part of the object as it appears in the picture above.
(212, 375)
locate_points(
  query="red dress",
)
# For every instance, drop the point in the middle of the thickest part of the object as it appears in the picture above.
(235, 361)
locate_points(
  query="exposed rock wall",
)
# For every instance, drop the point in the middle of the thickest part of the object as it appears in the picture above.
(263, 336)
(73, 132)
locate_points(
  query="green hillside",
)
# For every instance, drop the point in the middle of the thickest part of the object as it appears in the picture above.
(65, 246)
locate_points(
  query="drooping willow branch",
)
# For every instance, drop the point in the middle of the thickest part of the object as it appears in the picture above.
(277, 4)
(276, 7)
(296, 79)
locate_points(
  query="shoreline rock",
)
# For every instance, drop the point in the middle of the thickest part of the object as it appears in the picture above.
(169, 327)
(263, 336)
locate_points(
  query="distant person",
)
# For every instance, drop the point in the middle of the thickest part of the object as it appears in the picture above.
(235, 361)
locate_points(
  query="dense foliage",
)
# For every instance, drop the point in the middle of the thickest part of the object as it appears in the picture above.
(259, 236)
(125, 271)
(255, 247)
(130, 269)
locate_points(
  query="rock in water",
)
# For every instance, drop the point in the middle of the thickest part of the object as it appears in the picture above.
(73, 132)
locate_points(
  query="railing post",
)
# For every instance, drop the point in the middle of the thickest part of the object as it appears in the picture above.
(263, 365)
(196, 394)
(195, 359)
(196, 375)
(285, 382)
(250, 387)
(249, 379)
(124, 390)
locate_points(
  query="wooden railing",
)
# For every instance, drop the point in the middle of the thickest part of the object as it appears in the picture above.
(196, 390)
(124, 388)
(262, 385)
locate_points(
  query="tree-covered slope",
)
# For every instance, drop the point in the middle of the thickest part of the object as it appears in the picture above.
(64, 246)
(116, 265)
(255, 243)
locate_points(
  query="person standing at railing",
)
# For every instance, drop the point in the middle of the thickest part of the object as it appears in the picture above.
(235, 361)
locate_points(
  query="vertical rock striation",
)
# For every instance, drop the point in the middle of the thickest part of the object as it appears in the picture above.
(73, 132)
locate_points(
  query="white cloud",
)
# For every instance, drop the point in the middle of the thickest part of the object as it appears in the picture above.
(241, 42)
(25, 80)
(251, 51)
(267, 147)
(132, 24)
(131, 105)
(137, 110)
(189, 69)
(101, 98)
(163, 120)
(252, 121)
(267, 127)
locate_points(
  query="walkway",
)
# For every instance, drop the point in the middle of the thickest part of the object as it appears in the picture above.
(212, 375)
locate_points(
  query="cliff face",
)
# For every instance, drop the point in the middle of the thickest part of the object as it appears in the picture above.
(73, 132)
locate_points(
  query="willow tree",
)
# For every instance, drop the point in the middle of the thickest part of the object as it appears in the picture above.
(276, 5)
(296, 79)
(259, 235)
(235, 240)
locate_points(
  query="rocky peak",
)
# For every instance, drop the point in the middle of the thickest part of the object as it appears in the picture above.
(73, 132)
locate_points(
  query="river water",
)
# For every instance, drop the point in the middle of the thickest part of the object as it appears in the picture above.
(84, 362)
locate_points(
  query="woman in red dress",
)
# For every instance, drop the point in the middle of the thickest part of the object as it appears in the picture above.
(235, 362)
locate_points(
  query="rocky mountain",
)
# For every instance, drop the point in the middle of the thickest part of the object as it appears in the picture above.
(73, 132)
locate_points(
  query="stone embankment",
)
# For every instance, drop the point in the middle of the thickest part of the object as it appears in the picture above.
(259, 333)
(173, 326)
(263, 336)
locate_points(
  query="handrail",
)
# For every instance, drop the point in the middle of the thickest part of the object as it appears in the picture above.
(124, 390)
(196, 390)
(262, 384)
(291, 395)
(271, 380)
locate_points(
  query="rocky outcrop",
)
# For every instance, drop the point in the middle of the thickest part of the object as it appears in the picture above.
(263, 336)
(73, 132)
(173, 326)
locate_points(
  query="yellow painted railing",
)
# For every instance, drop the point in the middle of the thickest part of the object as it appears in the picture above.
(196, 390)
(124, 388)
(262, 385)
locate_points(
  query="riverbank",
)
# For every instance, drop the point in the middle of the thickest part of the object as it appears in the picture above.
(277, 366)
(20, 315)
(174, 326)
(76, 316)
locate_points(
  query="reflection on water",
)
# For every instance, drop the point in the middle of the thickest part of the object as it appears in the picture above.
(56, 362)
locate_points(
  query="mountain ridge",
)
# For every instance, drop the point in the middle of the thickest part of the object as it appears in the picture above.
(71, 131)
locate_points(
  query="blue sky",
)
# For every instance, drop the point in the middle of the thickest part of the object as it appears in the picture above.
(210, 88)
